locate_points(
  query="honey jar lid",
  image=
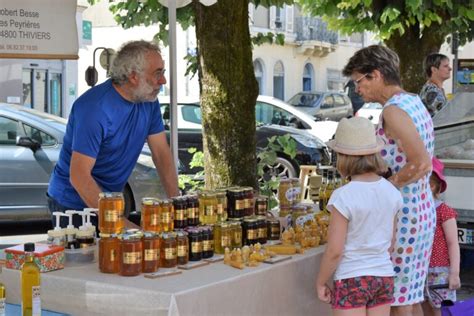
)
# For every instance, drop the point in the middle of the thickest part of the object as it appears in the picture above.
(150, 201)
(149, 234)
(104, 235)
(110, 195)
(131, 237)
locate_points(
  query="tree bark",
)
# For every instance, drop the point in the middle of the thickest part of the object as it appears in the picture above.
(412, 51)
(228, 93)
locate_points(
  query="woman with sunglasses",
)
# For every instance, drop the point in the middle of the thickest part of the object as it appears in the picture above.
(407, 131)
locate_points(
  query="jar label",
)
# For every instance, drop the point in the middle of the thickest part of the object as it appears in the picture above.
(292, 194)
(180, 215)
(261, 233)
(151, 255)
(246, 203)
(252, 234)
(36, 300)
(166, 217)
(134, 257)
(209, 210)
(206, 245)
(170, 253)
(237, 237)
(262, 208)
(182, 251)
(155, 219)
(112, 255)
(192, 212)
(220, 209)
(111, 216)
(226, 241)
(239, 204)
(196, 247)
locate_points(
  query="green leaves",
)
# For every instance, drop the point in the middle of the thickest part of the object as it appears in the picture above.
(269, 38)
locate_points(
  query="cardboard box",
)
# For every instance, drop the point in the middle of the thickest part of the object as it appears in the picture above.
(47, 257)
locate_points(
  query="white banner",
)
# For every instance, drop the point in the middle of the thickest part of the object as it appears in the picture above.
(42, 29)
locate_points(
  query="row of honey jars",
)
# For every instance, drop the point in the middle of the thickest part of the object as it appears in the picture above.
(111, 212)
(254, 230)
(201, 243)
(289, 192)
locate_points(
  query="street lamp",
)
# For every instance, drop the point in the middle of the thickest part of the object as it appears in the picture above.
(105, 59)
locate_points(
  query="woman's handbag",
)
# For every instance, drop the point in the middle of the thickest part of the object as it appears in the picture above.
(450, 308)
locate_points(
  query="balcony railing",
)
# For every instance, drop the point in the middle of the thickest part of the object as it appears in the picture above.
(314, 29)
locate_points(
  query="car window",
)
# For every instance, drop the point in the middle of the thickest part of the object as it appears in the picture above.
(328, 102)
(304, 99)
(339, 100)
(269, 114)
(41, 137)
(191, 113)
(9, 129)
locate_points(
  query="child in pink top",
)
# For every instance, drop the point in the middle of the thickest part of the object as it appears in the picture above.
(445, 257)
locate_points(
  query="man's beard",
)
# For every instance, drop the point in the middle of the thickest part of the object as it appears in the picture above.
(144, 92)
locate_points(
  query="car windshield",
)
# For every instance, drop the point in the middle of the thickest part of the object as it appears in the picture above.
(304, 99)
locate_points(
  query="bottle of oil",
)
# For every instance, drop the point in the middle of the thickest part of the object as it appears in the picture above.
(322, 188)
(2, 300)
(30, 284)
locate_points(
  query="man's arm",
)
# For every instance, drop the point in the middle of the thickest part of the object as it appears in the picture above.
(81, 178)
(164, 163)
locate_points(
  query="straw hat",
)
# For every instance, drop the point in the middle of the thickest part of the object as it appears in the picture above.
(356, 137)
(438, 169)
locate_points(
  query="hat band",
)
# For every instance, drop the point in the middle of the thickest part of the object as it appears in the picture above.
(349, 147)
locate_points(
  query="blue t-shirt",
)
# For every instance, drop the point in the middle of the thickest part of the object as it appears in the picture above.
(104, 126)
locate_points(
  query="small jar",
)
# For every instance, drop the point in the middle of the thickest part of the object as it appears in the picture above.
(262, 229)
(192, 210)
(283, 188)
(221, 206)
(131, 249)
(297, 211)
(109, 253)
(236, 229)
(180, 212)
(151, 215)
(169, 250)
(236, 203)
(248, 201)
(207, 207)
(249, 231)
(207, 242)
(195, 244)
(294, 195)
(151, 252)
(273, 229)
(182, 247)
(167, 215)
(222, 237)
(85, 238)
(261, 205)
(111, 208)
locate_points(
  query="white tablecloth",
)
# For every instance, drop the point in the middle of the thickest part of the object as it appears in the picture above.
(285, 288)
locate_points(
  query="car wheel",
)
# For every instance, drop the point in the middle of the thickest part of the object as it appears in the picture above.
(129, 201)
(281, 168)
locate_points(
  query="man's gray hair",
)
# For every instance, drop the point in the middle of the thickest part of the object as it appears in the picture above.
(131, 58)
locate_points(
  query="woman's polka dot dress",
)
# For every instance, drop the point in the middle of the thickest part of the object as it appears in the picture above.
(416, 221)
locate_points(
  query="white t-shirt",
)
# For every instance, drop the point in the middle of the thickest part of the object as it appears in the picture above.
(370, 208)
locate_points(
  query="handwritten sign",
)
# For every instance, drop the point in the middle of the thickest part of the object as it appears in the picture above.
(43, 29)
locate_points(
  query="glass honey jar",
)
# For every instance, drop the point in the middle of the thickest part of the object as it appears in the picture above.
(195, 244)
(151, 252)
(131, 249)
(249, 231)
(207, 242)
(248, 201)
(261, 205)
(182, 243)
(167, 215)
(221, 206)
(169, 250)
(109, 253)
(180, 212)
(207, 207)
(283, 188)
(273, 229)
(236, 229)
(235, 203)
(111, 208)
(192, 210)
(151, 215)
(262, 229)
(222, 237)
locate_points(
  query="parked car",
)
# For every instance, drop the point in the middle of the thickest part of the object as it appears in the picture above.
(323, 105)
(30, 142)
(310, 149)
(372, 111)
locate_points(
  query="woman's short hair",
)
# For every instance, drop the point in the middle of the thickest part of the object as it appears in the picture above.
(349, 165)
(131, 58)
(433, 60)
(375, 57)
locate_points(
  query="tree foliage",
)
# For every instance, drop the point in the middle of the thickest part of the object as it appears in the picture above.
(413, 28)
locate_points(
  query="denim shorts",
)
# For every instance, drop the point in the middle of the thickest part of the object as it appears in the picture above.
(363, 291)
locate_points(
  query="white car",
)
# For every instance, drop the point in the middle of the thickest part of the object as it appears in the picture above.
(372, 111)
(268, 110)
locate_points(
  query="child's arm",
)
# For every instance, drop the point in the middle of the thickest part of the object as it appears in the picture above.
(337, 232)
(451, 232)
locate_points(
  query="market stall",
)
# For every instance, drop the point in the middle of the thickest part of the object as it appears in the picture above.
(284, 288)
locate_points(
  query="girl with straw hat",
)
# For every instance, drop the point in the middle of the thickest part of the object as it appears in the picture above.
(361, 228)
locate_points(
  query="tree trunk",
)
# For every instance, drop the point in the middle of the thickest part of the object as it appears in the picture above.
(228, 93)
(412, 51)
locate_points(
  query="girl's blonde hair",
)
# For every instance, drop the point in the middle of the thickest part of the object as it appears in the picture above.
(349, 165)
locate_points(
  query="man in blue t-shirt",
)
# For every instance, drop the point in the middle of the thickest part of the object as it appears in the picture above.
(107, 129)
